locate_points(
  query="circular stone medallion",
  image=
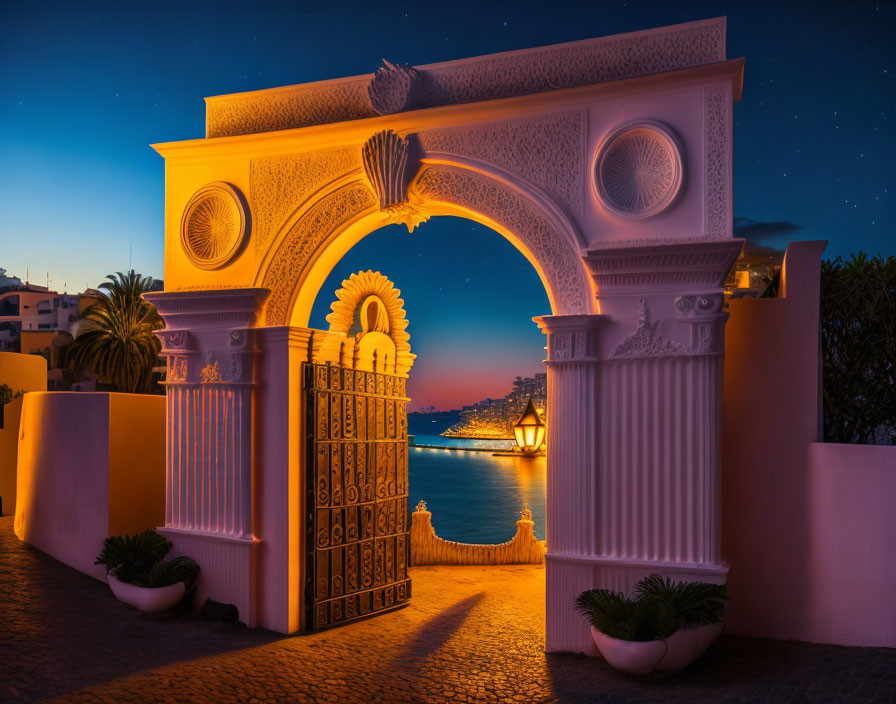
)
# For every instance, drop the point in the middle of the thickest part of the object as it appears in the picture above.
(637, 173)
(213, 226)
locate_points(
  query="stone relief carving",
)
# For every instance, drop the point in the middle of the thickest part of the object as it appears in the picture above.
(560, 347)
(579, 345)
(385, 158)
(554, 251)
(237, 337)
(646, 340)
(567, 345)
(213, 226)
(240, 367)
(177, 369)
(704, 315)
(718, 217)
(480, 78)
(392, 87)
(211, 372)
(279, 185)
(321, 220)
(174, 339)
(547, 151)
(700, 305)
(637, 173)
(707, 338)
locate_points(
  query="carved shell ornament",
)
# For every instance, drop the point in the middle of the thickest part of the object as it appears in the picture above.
(213, 227)
(369, 301)
(385, 158)
(391, 88)
(637, 173)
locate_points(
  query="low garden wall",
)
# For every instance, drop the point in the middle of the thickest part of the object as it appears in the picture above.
(851, 517)
(22, 373)
(429, 549)
(90, 465)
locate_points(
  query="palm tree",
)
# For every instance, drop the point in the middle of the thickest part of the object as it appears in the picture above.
(119, 343)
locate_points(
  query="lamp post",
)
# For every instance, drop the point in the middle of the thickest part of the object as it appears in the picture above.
(529, 430)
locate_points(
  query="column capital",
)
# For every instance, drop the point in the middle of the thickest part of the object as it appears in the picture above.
(664, 299)
(207, 337)
(571, 338)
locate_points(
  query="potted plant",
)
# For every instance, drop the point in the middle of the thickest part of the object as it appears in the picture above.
(141, 577)
(663, 627)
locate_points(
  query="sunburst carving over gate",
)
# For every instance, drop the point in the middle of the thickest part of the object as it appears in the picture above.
(353, 302)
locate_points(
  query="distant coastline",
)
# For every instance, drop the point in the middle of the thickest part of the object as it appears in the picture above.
(427, 429)
(493, 419)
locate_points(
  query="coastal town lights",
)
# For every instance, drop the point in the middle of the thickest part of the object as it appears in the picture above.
(529, 430)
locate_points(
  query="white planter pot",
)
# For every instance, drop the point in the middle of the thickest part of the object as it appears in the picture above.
(634, 657)
(686, 645)
(150, 600)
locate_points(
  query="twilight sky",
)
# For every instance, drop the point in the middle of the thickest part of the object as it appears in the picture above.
(85, 87)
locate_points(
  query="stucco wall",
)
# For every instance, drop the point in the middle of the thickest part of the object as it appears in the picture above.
(90, 465)
(22, 372)
(852, 526)
(136, 462)
(9, 442)
(789, 525)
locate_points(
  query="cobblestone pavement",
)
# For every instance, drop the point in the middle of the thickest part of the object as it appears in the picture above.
(471, 634)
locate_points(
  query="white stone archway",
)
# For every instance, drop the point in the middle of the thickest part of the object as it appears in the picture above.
(607, 162)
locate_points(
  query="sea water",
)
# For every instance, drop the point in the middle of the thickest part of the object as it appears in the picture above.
(474, 497)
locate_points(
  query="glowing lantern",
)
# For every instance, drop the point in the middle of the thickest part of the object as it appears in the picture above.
(529, 430)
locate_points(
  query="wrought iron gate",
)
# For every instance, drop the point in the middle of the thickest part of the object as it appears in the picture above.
(357, 480)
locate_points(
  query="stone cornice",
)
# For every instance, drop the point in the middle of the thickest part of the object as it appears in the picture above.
(348, 134)
(395, 88)
(236, 307)
(696, 265)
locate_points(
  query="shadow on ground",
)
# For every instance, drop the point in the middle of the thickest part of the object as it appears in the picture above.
(63, 630)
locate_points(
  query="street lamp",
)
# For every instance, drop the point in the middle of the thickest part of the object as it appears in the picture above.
(529, 430)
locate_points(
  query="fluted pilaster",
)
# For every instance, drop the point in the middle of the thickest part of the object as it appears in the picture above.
(572, 471)
(209, 346)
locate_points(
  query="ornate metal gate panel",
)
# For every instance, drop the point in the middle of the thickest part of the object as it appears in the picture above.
(357, 480)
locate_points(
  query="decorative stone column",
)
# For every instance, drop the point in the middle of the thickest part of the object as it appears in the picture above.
(572, 471)
(209, 346)
(634, 428)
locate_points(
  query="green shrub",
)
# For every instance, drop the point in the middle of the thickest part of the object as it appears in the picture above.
(161, 574)
(139, 560)
(858, 346)
(657, 609)
(7, 395)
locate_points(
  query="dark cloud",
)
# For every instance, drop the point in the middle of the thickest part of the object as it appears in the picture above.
(759, 231)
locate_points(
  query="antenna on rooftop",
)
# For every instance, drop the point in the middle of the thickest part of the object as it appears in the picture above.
(131, 257)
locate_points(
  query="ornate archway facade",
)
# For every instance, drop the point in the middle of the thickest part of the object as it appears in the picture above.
(607, 162)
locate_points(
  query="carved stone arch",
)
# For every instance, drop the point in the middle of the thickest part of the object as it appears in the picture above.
(533, 224)
(442, 189)
(295, 252)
